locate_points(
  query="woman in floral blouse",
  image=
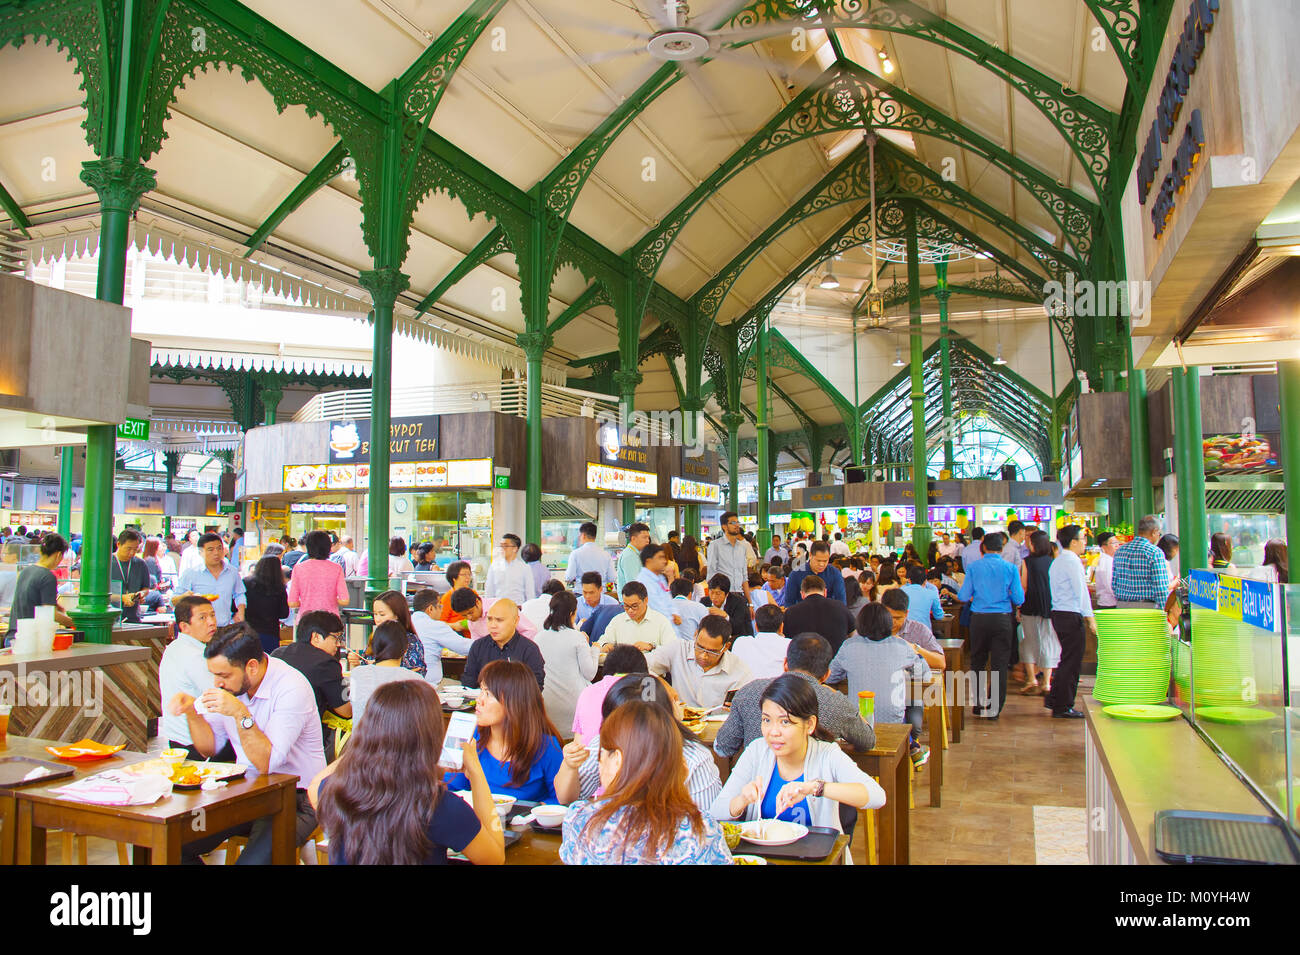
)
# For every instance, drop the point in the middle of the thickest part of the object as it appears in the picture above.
(646, 816)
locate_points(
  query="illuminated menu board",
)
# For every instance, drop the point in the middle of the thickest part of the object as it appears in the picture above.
(683, 489)
(604, 477)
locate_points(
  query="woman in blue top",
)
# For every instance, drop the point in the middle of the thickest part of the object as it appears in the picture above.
(518, 745)
(646, 816)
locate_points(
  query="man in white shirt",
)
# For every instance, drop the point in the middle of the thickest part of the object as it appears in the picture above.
(777, 549)
(638, 624)
(839, 548)
(589, 557)
(510, 577)
(689, 611)
(191, 556)
(539, 608)
(702, 672)
(343, 555)
(731, 554)
(947, 548)
(435, 636)
(183, 669)
(1102, 570)
(1071, 610)
(764, 653)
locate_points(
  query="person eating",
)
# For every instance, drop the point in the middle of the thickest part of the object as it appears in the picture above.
(791, 772)
(639, 625)
(504, 642)
(703, 671)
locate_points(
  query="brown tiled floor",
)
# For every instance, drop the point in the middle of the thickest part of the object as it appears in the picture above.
(992, 780)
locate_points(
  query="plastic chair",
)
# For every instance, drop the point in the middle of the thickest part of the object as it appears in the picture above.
(342, 728)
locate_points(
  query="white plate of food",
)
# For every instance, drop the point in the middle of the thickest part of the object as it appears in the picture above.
(748, 860)
(772, 832)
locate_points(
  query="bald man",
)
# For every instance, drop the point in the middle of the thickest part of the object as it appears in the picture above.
(503, 642)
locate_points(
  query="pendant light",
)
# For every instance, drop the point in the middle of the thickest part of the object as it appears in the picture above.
(829, 281)
(999, 360)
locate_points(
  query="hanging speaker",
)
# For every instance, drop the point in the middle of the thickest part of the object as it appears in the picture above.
(1008, 472)
(854, 474)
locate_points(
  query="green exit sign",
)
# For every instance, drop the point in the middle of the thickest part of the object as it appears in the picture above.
(503, 481)
(133, 429)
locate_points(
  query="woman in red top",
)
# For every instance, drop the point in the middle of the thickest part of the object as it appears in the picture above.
(317, 582)
(460, 575)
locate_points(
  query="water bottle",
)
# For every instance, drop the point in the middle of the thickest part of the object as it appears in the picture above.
(867, 707)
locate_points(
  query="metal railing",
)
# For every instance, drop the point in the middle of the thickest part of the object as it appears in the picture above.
(509, 396)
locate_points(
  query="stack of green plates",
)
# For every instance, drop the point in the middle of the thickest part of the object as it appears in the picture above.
(1222, 665)
(1182, 656)
(1132, 657)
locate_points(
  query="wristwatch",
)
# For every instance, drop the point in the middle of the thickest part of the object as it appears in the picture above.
(821, 787)
(248, 723)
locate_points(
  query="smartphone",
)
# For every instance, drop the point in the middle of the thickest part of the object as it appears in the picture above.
(459, 729)
(730, 695)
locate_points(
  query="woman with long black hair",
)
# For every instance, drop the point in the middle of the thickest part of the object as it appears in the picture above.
(385, 803)
(268, 601)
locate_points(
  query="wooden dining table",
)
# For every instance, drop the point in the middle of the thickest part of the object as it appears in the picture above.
(956, 657)
(156, 832)
(889, 762)
(543, 848)
(930, 695)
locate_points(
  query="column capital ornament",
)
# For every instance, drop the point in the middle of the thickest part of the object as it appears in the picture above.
(119, 183)
(693, 403)
(535, 343)
(733, 420)
(627, 381)
(943, 294)
(384, 285)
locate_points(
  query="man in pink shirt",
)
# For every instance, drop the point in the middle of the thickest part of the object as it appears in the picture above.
(623, 658)
(465, 601)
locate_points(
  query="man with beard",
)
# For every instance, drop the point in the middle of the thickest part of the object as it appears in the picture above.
(267, 710)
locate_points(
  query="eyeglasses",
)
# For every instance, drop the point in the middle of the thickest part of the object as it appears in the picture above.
(705, 651)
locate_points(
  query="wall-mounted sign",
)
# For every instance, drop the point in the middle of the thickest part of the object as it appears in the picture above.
(47, 497)
(7, 495)
(814, 498)
(1237, 452)
(472, 472)
(410, 439)
(686, 490)
(310, 507)
(604, 477)
(143, 502)
(133, 429)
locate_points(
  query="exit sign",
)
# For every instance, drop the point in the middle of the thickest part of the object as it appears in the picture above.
(503, 481)
(133, 429)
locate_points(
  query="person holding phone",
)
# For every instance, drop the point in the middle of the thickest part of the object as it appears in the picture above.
(385, 801)
(516, 742)
(791, 772)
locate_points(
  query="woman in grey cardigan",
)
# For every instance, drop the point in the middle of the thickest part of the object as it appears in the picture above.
(789, 773)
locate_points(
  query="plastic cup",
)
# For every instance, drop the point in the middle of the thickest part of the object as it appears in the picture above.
(867, 707)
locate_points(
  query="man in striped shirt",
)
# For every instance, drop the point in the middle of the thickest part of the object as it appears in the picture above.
(1140, 576)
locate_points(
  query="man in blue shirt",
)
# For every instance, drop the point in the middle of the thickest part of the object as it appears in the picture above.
(992, 585)
(922, 601)
(652, 578)
(595, 626)
(819, 560)
(215, 576)
(972, 551)
(690, 611)
(589, 557)
(593, 596)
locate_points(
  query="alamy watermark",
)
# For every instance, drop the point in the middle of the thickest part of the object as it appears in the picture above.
(626, 428)
(82, 689)
(1085, 298)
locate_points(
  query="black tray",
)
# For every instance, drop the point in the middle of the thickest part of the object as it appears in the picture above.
(14, 768)
(814, 847)
(1221, 838)
(510, 839)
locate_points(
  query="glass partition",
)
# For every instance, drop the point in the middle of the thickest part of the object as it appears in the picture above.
(1238, 681)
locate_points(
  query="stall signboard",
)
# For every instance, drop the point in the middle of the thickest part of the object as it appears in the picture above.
(1037, 514)
(7, 495)
(942, 515)
(605, 477)
(469, 472)
(47, 497)
(410, 439)
(1035, 492)
(143, 502)
(300, 478)
(828, 517)
(684, 489)
(1251, 601)
(823, 497)
(311, 507)
(858, 515)
(898, 513)
(402, 475)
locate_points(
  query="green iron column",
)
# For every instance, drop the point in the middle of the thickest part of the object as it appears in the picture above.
(1054, 419)
(1140, 435)
(384, 285)
(119, 183)
(67, 457)
(764, 530)
(1288, 374)
(534, 345)
(1189, 469)
(272, 392)
(172, 466)
(920, 485)
(855, 434)
(626, 381)
(732, 421)
(943, 293)
(692, 405)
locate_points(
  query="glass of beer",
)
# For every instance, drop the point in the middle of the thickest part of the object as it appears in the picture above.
(4, 723)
